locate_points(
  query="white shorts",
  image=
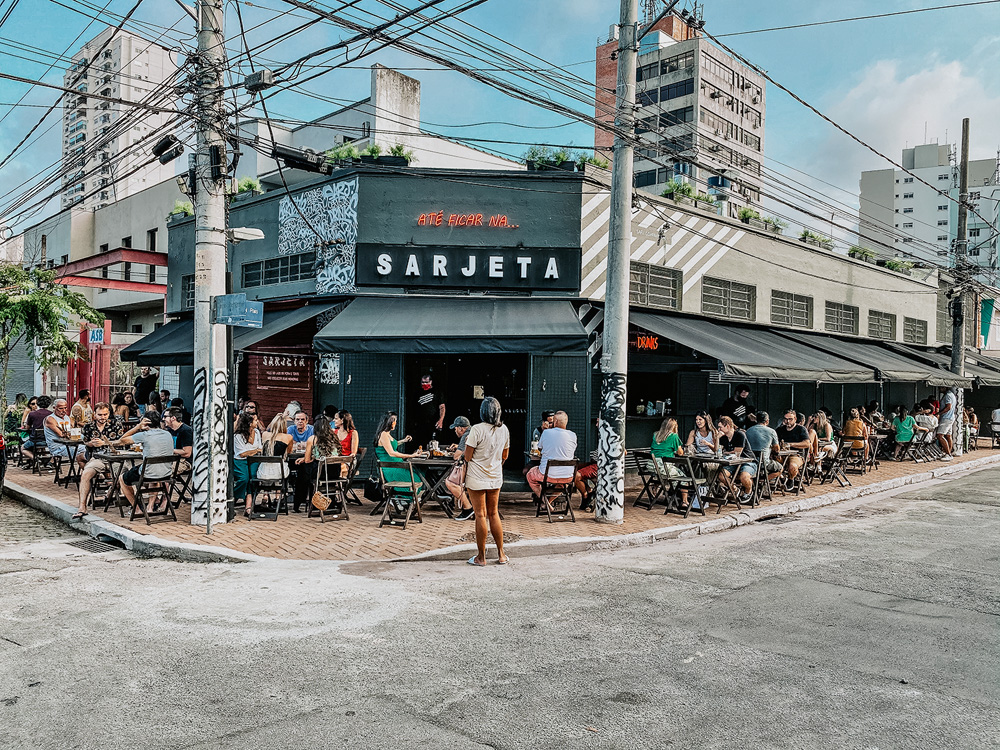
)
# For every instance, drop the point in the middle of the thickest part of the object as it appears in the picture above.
(944, 428)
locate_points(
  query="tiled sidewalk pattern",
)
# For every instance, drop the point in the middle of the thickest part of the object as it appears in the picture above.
(297, 537)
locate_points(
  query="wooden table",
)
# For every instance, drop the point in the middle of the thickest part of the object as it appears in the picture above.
(427, 466)
(73, 470)
(712, 465)
(117, 460)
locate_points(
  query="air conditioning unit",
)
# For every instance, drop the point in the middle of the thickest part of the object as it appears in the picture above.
(729, 102)
(715, 94)
(718, 131)
(756, 100)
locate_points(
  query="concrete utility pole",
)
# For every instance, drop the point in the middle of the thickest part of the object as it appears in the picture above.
(610, 505)
(958, 303)
(211, 378)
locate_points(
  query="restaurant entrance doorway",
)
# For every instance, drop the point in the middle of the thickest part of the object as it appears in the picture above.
(461, 381)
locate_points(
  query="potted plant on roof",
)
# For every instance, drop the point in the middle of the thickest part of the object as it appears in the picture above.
(817, 240)
(536, 158)
(707, 199)
(774, 224)
(398, 156)
(679, 191)
(181, 210)
(371, 154)
(899, 265)
(586, 161)
(749, 216)
(343, 155)
(862, 253)
(246, 189)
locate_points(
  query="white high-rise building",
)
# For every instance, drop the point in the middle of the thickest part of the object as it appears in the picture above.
(901, 215)
(104, 142)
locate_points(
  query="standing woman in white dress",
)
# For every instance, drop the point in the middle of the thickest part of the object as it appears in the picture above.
(486, 449)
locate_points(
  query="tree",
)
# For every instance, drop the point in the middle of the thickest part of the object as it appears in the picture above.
(35, 311)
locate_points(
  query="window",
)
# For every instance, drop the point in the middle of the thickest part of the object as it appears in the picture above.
(645, 179)
(841, 318)
(127, 242)
(645, 72)
(717, 69)
(943, 223)
(974, 232)
(654, 286)
(674, 90)
(881, 325)
(152, 274)
(907, 179)
(126, 271)
(907, 210)
(104, 272)
(676, 117)
(646, 98)
(103, 248)
(728, 299)
(943, 208)
(907, 195)
(907, 239)
(151, 240)
(941, 177)
(942, 238)
(907, 225)
(914, 331)
(187, 292)
(64, 260)
(975, 196)
(279, 270)
(791, 309)
(137, 328)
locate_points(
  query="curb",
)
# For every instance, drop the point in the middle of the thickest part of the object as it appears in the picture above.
(153, 546)
(146, 545)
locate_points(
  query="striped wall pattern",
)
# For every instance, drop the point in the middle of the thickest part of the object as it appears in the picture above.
(676, 246)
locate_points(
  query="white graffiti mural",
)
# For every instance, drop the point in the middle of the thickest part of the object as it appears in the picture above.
(324, 220)
(611, 453)
(329, 369)
(218, 434)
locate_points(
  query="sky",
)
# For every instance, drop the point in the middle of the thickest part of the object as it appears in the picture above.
(889, 81)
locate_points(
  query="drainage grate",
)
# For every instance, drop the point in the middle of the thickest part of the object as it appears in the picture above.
(93, 545)
(508, 538)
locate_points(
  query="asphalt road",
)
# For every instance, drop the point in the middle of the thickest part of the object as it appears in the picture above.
(871, 624)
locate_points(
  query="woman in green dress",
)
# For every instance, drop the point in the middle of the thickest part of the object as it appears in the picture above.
(386, 448)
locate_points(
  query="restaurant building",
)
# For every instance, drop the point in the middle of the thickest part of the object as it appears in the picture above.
(493, 283)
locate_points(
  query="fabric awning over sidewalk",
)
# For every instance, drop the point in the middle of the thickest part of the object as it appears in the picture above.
(751, 352)
(892, 365)
(434, 325)
(942, 360)
(173, 344)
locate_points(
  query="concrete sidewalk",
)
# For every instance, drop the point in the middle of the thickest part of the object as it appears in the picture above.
(440, 538)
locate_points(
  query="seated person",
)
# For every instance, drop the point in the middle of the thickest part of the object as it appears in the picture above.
(856, 427)
(34, 423)
(734, 442)
(536, 435)
(557, 443)
(156, 443)
(97, 436)
(763, 439)
(56, 426)
(183, 437)
(821, 438)
(667, 444)
(300, 430)
(461, 426)
(791, 434)
(972, 420)
(904, 426)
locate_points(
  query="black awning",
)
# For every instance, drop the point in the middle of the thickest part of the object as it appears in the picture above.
(942, 360)
(173, 344)
(891, 363)
(751, 352)
(435, 325)
(278, 321)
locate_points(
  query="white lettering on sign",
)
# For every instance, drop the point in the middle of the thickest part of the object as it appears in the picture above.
(552, 269)
(496, 267)
(470, 270)
(384, 267)
(524, 263)
(440, 265)
(412, 269)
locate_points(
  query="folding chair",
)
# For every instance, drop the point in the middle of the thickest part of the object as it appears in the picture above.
(652, 488)
(401, 498)
(686, 478)
(557, 498)
(157, 488)
(995, 434)
(352, 473)
(275, 490)
(797, 484)
(834, 467)
(334, 487)
(40, 450)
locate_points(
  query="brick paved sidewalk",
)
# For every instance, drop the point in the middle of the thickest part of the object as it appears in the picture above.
(297, 537)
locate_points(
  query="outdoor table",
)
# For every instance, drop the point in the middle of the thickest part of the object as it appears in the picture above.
(428, 466)
(338, 506)
(72, 471)
(117, 460)
(712, 465)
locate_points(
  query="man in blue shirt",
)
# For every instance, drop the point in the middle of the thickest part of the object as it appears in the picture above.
(762, 439)
(300, 430)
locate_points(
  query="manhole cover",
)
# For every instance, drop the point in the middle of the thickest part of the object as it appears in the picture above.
(507, 537)
(93, 545)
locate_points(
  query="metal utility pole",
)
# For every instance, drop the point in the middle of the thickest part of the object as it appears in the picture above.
(610, 505)
(211, 377)
(961, 277)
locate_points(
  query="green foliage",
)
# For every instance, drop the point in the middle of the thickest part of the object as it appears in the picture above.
(817, 238)
(248, 184)
(746, 213)
(560, 156)
(34, 308)
(678, 187)
(596, 161)
(775, 223)
(705, 198)
(894, 264)
(343, 152)
(400, 150)
(373, 150)
(861, 253)
(183, 208)
(537, 154)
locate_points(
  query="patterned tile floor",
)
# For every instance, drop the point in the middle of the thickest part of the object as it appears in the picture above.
(297, 537)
